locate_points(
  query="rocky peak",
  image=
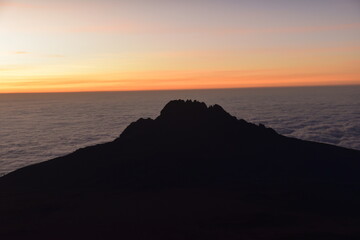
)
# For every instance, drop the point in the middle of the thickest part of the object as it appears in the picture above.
(192, 110)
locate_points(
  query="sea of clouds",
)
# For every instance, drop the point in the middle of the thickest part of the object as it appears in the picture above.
(38, 127)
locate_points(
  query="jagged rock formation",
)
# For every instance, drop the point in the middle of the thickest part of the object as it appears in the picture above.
(190, 167)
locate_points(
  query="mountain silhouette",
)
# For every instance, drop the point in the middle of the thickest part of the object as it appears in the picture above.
(194, 172)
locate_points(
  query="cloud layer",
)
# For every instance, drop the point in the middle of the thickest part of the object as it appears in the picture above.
(37, 127)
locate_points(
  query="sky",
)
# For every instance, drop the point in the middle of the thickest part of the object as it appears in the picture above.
(121, 45)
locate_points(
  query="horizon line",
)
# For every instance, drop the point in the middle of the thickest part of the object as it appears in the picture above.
(186, 89)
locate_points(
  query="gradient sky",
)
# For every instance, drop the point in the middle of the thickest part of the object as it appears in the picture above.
(109, 45)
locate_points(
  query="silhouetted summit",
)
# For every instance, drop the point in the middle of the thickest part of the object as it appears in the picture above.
(193, 111)
(184, 115)
(193, 172)
(193, 123)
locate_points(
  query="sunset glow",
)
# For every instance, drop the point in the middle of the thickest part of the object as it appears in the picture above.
(109, 45)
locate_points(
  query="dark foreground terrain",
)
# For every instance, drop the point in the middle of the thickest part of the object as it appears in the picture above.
(195, 172)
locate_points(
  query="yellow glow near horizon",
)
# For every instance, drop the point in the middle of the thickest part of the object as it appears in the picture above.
(56, 46)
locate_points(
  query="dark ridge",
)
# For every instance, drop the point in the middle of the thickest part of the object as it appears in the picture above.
(194, 172)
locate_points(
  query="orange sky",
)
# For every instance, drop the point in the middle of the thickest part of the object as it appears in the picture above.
(56, 46)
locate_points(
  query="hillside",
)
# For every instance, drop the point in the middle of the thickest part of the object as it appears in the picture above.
(194, 172)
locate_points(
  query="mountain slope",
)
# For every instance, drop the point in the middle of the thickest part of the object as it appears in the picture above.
(195, 171)
(191, 140)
